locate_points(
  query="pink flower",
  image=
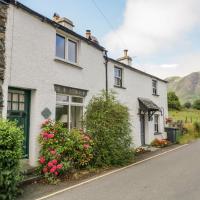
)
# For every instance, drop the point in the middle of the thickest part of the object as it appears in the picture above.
(86, 146)
(50, 164)
(56, 173)
(59, 166)
(45, 170)
(45, 134)
(54, 162)
(42, 160)
(46, 122)
(87, 138)
(52, 170)
(53, 152)
(51, 135)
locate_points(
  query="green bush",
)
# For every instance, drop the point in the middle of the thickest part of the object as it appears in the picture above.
(197, 128)
(81, 152)
(173, 101)
(108, 123)
(11, 143)
(62, 150)
(196, 104)
(187, 105)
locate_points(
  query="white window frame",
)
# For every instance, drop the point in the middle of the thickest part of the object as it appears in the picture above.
(155, 87)
(118, 77)
(67, 38)
(156, 123)
(69, 103)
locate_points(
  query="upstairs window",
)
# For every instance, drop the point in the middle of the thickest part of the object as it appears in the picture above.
(60, 46)
(156, 123)
(154, 87)
(66, 49)
(118, 77)
(72, 51)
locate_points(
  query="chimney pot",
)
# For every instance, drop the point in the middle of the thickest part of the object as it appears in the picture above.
(125, 59)
(63, 21)
(125, 52)
(88, 34)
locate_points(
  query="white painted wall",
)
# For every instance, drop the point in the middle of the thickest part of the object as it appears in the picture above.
(30, 53)
(139, 85)
(31, 65)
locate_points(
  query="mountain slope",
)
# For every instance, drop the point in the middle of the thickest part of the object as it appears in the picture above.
(187, 88)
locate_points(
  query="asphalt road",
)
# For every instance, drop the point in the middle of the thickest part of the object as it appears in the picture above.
(173, 176)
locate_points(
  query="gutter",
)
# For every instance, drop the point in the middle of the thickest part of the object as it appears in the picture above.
(106, 69)
(2, 1)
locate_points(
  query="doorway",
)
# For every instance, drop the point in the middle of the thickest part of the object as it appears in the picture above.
(19, 110)
(142, 124)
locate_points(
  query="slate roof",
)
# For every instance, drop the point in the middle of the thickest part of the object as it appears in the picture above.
(148, 104)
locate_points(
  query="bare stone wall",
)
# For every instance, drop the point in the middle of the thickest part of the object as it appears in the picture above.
(3, 19)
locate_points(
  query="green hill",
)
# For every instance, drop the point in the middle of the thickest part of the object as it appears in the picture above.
(187, 88)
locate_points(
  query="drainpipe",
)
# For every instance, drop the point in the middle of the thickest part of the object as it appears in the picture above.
(106, 69)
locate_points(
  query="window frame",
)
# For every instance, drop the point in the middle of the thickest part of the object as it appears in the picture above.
(67, 39)
(155, 87)
(76, 51)
(118, 77)
(70, 103)
(11, 101)
(57, 34)
(156, 123)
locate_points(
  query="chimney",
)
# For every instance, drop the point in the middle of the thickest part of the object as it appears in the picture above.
(63, 21)
(125, 59)
(88, 34)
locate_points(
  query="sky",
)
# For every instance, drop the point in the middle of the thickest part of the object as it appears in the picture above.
(162, 37)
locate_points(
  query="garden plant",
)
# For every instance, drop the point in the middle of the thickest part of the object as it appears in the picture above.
(62, 150)
(11, 143)
(107, 121)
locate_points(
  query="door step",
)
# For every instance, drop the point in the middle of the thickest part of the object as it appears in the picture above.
(28, 172)
(31, 178)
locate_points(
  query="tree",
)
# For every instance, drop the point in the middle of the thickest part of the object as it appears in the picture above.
(187, 105)
(196, 104)
(173, 101)
(107, 121)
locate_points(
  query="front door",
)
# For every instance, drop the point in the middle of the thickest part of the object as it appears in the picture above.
(18, 110)
(142, 124)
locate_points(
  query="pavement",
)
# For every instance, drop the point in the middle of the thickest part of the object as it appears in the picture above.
(170, 176)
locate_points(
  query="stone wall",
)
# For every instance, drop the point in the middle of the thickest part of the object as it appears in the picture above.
(3, 19)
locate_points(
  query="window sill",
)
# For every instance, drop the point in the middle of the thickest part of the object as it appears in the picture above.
(120, 87)
(67, 63)
(156, 95)
(157, 133)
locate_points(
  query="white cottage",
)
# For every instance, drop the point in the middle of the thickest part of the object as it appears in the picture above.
(52, 72)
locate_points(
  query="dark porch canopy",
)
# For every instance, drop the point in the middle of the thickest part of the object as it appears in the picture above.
(147, 106)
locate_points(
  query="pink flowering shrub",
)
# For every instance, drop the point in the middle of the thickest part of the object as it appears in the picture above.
(54, 145)
(82, 152)
(62, 150)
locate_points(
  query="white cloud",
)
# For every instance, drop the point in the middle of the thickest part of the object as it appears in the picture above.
(153, 25)
(188, 63)
(169, 65)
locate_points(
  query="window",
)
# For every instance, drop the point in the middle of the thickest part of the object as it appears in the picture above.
(156, 124)
(16, 100)
(69, 110)
(72, 51)
(77, 100)
(154, 86)
(60, 46)
(118, 76)
(66, 49)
